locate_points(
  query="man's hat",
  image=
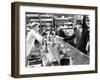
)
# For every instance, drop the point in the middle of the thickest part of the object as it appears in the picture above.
(33, 24)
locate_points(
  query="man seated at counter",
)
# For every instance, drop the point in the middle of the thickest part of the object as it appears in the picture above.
(61, 32)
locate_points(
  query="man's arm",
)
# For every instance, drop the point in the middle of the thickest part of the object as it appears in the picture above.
(69, 37)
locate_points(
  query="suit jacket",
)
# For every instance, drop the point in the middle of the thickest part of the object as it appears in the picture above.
(83, 41)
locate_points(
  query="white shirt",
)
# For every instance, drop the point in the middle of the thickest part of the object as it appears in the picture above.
(32, 35)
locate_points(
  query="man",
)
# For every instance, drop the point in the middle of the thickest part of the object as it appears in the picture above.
(33, 39)
(84, 36)
(66, 37)
(78, 31)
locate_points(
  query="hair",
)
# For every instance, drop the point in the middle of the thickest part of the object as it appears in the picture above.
(78, 22)
(84, 26)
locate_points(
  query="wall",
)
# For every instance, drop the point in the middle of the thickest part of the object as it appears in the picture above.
(5, 40)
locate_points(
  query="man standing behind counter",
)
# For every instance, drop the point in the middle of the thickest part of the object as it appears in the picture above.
(32, 37)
